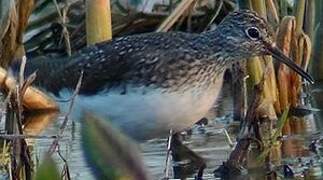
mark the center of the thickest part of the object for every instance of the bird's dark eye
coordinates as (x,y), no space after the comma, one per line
(253,33)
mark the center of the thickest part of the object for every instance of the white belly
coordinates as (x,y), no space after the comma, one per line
(150,114)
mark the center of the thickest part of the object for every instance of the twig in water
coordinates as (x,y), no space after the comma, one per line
(66,117)
(20,152)
(24,136)
(239,154)
(65,172)
(169,143)
(22,70)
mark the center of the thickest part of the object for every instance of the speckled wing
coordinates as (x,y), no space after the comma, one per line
(156,59)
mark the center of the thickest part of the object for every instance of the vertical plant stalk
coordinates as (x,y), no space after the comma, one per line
(258,69)
(259,7)
(256,65)
(5,16)
(284,38)
(302,57)
(238,156)
(317,63)
(317,66)
(300,43)
(267,96)
(98,21)
(271,9)
(175,15)
(19,12)
(318,13)
(239,90)
(299,14)
(296,44)
(309,22)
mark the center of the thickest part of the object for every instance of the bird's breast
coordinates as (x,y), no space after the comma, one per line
(144,112)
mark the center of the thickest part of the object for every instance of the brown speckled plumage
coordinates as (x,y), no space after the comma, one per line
(171,61)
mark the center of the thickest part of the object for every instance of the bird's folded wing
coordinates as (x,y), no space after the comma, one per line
(143,59)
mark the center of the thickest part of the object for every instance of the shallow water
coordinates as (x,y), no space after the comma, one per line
(208,141)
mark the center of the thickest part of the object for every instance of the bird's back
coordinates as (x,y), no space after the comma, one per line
(160,60)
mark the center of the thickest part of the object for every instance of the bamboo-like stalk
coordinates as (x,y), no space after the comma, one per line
(255,70)
(271,7)
(317,66)
(302,58)
(258,73)
(307,52)
(254,65)
(317,63)
(309,23)
(299,14)
(284,40)
(298,49)
(98,21)
(11,40)
(175,15)
(33,98)
(5,16)
(269,92)
(259,7)
(318,13)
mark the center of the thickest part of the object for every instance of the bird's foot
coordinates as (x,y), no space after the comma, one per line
(186,160)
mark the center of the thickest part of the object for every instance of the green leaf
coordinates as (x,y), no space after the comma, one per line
(47,170)
(111,154)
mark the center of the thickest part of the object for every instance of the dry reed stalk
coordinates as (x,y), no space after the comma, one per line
(256,67)
(284,38)
(272,10)
(98,21)
(302,58)
(175,15)
(12,37)
(309,21)
(33,99)
(299,14)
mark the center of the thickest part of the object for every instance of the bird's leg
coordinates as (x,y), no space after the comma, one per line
(181,152)
(226,134)
(169,143)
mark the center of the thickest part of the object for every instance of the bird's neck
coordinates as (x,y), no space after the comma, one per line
(217,41)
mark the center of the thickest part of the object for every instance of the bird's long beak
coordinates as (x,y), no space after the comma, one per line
(279,55)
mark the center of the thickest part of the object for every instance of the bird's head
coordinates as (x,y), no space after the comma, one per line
(245,34)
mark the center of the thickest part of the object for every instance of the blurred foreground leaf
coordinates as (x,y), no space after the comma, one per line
(47,170)
(110,153)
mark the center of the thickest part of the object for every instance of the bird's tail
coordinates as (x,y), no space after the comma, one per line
(44,67)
